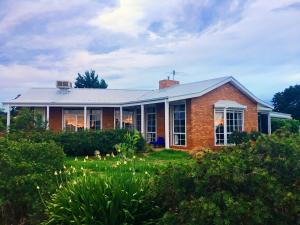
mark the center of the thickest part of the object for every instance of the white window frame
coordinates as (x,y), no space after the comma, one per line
(224,110)
(146,118)
(64,118)
(89,118)
(173,127)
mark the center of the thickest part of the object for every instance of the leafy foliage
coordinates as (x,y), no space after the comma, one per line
(95,199)
(23,166)
(26,120)
(86,142)
(240,185)
(128,147)
(291,125)
(288,101)
(89,80)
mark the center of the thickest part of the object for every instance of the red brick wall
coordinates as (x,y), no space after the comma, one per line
(202,115)
(160,116)
(108,118)
(167,83)
(55,119)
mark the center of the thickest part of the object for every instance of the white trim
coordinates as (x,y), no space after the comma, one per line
(8,118)
(279,115)
(185,128)
(143,120)
(167,124)
(269,124)
(146,118)
(121,117)
(225,123)
(47,116)
(85,117)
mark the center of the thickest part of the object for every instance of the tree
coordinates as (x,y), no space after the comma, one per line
(89,80)
(288,101)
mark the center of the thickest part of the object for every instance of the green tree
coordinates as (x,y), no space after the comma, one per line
(89,80)
(288,101)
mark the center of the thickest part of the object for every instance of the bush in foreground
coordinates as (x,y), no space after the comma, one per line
(102,199)
(23,166)
(253,185)
(85,142)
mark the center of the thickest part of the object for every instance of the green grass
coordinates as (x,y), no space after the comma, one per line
(150,163)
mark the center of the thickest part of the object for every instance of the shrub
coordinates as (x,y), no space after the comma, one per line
(241,185)
(238,137)
(23,166)
(290,125)
(85,142)
(2,127)
(98,199)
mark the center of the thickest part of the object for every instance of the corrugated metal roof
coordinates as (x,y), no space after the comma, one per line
(123,96)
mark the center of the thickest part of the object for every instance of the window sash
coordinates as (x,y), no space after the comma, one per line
(179,124)
(151,124)
(227,121)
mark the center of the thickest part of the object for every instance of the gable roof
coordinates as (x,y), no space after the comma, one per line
(80,96)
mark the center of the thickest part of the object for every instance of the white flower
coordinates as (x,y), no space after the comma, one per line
(133,173)
(60,186)
(84,160)
(107,155)
(74,182)
(125,162)
(81,168)
(76,159)
(70,200)
(87,157)
(134,157)
(38,187)
(60,172)
(55,173)
(146,173)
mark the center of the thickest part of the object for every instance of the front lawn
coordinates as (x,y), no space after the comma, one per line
(143,163)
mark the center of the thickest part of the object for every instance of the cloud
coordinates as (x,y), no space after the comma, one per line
(134,43)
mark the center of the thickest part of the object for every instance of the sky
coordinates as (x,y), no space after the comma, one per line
(135,43)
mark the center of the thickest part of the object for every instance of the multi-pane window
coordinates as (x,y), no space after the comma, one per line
(138,120)
(219,127)
(151,124)
(179,125)
(128,119)
(226,122)
(73,120)
(234,122)
(117,118)
(95,116)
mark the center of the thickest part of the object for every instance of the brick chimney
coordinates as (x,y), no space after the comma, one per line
(167,83)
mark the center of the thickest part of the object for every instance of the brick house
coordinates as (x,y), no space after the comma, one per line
(187,116)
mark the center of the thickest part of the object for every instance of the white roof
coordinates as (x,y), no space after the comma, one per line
(229,104)
(86,96)
(279,115)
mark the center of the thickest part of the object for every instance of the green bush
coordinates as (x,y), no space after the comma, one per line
(2,126)
(98,199)
(238,137)
(85,142)
(240,185)
(290,125)
(23,166)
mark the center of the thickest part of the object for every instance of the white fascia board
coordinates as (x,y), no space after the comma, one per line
(279,115)
(60,105)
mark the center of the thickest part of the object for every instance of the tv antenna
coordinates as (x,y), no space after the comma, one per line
(174,73)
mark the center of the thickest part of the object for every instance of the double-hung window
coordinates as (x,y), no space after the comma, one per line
(95,116)
(151,124)
(73,120)
(227,121)
(179,125)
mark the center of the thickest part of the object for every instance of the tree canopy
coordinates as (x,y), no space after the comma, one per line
(288,101)
(89,80)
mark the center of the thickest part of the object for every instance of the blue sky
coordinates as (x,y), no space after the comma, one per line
(134,43)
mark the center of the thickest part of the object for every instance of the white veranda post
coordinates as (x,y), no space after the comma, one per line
(121,117)
(143,120)
(8,118)
(167,124)
(85,118)
(47,116)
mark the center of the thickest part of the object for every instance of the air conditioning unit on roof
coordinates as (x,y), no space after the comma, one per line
(61,84)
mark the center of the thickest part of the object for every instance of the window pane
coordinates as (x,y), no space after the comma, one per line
(179,137)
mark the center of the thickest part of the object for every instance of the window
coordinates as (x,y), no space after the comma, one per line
(151,124)
(73,120)
(128,119)
(138,120)
(95,116)
(179,125)
(117,118)
(226,122)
